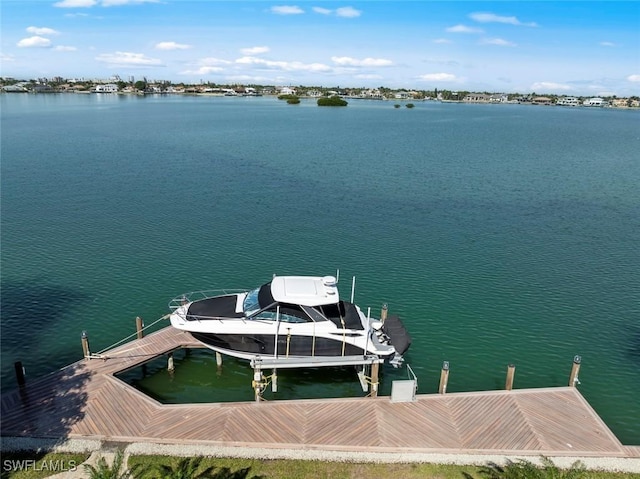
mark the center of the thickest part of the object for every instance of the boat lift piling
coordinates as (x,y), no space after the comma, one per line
(444,378)
(139,327)
(575,368)
(85,345)
(511,371)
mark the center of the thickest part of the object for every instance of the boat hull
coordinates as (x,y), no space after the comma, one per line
(247,346)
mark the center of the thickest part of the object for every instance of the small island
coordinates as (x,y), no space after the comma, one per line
(332,101)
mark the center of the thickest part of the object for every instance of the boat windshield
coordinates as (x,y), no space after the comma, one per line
(251,304)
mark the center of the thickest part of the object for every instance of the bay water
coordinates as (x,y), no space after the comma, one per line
(498,233)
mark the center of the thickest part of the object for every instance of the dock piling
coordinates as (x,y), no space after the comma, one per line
(375,367)
(444,378)
(170,366)
(257,383)
(575,368)
(139,327)
(218,359)
(19,373)
(511,370)
(384,312)
(85,345)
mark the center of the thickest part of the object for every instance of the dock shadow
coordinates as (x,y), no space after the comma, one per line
(41,414)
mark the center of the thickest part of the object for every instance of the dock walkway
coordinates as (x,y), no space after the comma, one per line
(86,400)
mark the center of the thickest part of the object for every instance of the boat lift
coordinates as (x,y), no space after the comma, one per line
(260,381)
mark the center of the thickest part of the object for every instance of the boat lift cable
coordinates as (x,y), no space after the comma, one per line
(166,316)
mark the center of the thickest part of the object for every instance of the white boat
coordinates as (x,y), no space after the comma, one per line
(288,317)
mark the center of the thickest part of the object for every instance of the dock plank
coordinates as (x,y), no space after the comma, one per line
(86,400)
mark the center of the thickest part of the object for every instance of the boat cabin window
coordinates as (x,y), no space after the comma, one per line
(289,313)
(251,304)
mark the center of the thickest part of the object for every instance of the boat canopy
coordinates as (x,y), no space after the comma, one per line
(304,290)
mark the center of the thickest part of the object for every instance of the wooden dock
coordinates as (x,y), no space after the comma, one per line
(86,400)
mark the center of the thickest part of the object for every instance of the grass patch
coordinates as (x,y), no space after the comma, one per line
(35,465)
(39,465)
(233,468)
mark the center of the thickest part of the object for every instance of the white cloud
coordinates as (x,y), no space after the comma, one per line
(128,59)
(444,77)
(441,41)
(550,86)
(482,17)
(464,29)
(254,50)
(204,70)
(6,58)
(34,42)
(63,48)
(104,3)
(365,62)
(209,61)
(287,10)
(248,79)
(42,31)
(607,44)
(282,65)
(497,41)
(117,3)
(171,46)
(364,76)
(345,12)
(75,3)
(348,12)
(633,78)
(207,66)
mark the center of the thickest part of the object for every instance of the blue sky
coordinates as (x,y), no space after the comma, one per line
(563,47)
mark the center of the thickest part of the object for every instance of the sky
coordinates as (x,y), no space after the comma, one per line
(585,48)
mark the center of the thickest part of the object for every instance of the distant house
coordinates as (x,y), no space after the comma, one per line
(620,102)
(568,101)
(285,90)
(371,93)
(541,100)
(476,98)
(499,98)
(43,88)
(106,88)
(314,93)
(595,102)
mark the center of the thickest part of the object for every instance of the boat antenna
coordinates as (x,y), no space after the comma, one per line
(353,287)
(337,275)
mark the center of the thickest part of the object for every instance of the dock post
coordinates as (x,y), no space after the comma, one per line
(444,378)
(375,367)
(19,373)
(85,345)
(139,327)
(257,381)
(573,377)
(384,312)
(170,366)
(511,370)
(218,359)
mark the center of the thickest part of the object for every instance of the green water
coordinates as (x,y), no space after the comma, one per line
(500,234)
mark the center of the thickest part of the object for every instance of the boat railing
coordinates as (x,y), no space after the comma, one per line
(178,301)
